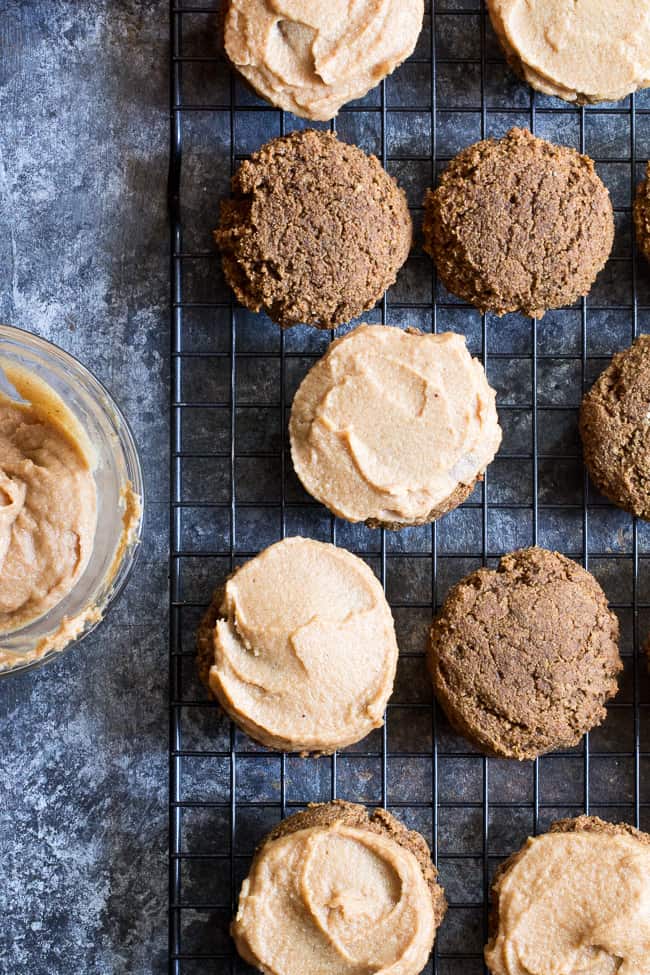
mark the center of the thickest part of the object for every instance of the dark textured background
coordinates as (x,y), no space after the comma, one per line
(83,245)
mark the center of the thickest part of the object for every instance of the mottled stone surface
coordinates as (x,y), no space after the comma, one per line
(83,261)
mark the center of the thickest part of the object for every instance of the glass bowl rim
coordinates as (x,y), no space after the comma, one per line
(132,463)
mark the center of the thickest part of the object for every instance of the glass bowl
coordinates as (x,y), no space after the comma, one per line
(120,508)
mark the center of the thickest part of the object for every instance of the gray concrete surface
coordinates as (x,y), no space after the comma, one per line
(83,261)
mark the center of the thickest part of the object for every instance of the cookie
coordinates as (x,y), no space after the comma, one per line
(615,429)
(334,889)
(642,214)
(524,657)
(581,52)
(573,900)
(315,232)
(519,224)
(393,427)
(312,58)
(299,647)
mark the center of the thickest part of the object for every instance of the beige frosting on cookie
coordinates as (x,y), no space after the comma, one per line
(305,655)
(584,50)
(389,423)
(575,902)
(48,503)
(335,901)
(310,58)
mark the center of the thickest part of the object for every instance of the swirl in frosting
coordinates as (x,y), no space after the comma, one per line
(591,51)
(310,58)
(337,899)
(388,424)
(305,652)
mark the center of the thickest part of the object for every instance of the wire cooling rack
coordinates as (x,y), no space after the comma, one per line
(234,492)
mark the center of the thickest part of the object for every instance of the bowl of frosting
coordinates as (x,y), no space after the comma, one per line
(71,500)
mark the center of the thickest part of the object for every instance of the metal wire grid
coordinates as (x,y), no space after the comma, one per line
(225,792)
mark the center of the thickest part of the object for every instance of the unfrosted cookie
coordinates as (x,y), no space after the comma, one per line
(299,647)
(315,231)
(393,427)
(310,58)
(615,429)
(519,224)
(334,889)
(524,657)
(579,50)
(642,214)
(573,900)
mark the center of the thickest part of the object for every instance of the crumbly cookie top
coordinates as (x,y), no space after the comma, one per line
(524,657)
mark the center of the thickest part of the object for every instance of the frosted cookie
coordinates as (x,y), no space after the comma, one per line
(579,50)
(335,890)
(615,429)
(523,658)
(48,501)
(393,427)
(315,231)
(299,647)
(519,224)
(311,58)
(574,900)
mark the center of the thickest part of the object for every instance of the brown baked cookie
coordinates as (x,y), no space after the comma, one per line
(615,429)
(312,58)
(642,214)
(315,231)
(573,899)
(524,657)
(336,889)
(519,224)
(379,821)
(393,427)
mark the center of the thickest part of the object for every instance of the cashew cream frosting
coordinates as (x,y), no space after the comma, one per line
(388,424)
(305,654)
(48,515)
(48,502)
(338,900)
(310,58)
(578,50)
(575,903)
